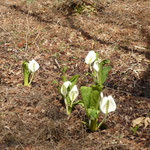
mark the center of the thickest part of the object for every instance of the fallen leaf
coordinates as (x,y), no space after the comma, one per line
(146,122)
(139,121)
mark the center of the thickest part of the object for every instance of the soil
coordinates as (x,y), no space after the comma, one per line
(61,33)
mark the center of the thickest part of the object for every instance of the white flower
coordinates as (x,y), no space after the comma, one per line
(96,65)
(73,94)
(33,65)
(107,101)
(64,88)
(90,58)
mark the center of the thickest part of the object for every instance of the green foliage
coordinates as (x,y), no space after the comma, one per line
(90,97)
(93,113)
(86,96)
(104,71)
(25,67)
(74,80)
(134,129)
(68,102)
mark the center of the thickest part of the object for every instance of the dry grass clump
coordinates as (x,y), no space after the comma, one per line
(70,7)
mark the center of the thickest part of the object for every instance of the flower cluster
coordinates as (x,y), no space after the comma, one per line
(73,93)
(92,97)
(70,92)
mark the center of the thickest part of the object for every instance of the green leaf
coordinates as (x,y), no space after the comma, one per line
(64,78)
(74,80)
(97,87)
(80,102)
(25,67)
(64,69)
(94,102)
(93,113)
(134,129)
(105,72)
(68,100)
(106,61)
(86,96)
(63,72)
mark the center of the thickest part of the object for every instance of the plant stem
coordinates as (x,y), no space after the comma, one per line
(93,125)
(105,115)
(100,75)
(32,77)
(26,78)
(102,121)
(26,73)
(69,110)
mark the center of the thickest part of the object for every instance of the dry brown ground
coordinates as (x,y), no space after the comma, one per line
(55,35)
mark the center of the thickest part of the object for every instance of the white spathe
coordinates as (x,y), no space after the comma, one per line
(64,88)
(90,58)
(96,65)
(107,100)
(33,65)
(73,94)
(102,95)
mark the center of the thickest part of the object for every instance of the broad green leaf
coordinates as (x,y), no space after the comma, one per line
(93,113)
(94,102)
(86,96)
(105,72)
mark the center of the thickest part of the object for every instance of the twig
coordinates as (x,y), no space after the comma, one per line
(57,63)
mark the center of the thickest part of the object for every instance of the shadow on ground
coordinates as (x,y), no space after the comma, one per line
(143,84)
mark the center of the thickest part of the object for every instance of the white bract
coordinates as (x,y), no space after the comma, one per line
(90,58)
(101,94)
(107,103)
(73,93)
(64,88)
(33,65)
(96,65)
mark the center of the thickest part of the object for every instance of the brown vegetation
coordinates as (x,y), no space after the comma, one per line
(59,33)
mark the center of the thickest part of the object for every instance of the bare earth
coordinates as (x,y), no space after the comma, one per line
(60,33)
